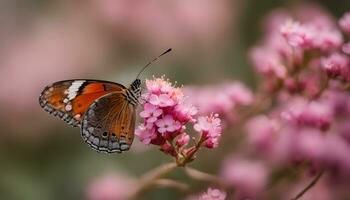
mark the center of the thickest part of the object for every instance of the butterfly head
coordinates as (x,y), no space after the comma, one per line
(136,85)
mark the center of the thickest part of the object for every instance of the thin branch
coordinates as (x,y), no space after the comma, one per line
(151,177)
(202,176)
(171,183)
(309,186)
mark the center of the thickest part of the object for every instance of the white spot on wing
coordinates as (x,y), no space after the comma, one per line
(77,116)
(68,107)
(73,89)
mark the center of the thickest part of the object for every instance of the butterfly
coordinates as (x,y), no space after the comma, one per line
(105,111)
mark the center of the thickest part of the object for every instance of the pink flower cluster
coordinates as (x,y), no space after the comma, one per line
(302,113)
(166,112)
(337,65)
(307,124)
(304,65)
(210,128)
(310,35)
(322,36)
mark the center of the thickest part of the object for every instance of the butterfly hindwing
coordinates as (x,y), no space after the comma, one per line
(108,125)
(70,99)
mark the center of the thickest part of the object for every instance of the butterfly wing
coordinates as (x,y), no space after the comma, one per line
(109,123)
(70,99)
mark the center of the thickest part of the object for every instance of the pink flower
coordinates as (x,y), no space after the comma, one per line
(311,36)
(182,140)
(222,98)
(328,150)
(213,194)
(344,22)
(145,134)
(261,132)
(328,40)
(239,93)
(337,154)
(336,65)
(210,129)
(185,111)
(162,100)
(110,187)
(317,114)
(346,48)
(298,35)
(311,144)
(151,113)
(248,177)
(167,124)
(267,62)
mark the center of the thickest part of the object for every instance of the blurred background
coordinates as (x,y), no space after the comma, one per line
(46,41)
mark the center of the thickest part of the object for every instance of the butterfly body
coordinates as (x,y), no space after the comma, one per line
(104,111)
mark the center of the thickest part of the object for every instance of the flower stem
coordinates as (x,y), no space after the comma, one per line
(202,176)
(309,186)
(151,177)
(171,183)
(189,157)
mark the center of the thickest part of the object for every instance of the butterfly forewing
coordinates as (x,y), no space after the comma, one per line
(70,99)
(108,124)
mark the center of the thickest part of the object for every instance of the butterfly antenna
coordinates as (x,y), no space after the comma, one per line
(152,61)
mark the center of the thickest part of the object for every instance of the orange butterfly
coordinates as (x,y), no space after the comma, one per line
(105,111)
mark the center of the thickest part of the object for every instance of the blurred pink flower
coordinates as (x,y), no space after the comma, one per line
(297,35)
(299,111)
(311,145)
(261,132)
(213,194)
(222,98)
(328,40)
(110,187)
(308,36)
(344,23)
(337,154)
(248,178)
(239,93)
(336,65)
(267,62)
(346,48)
